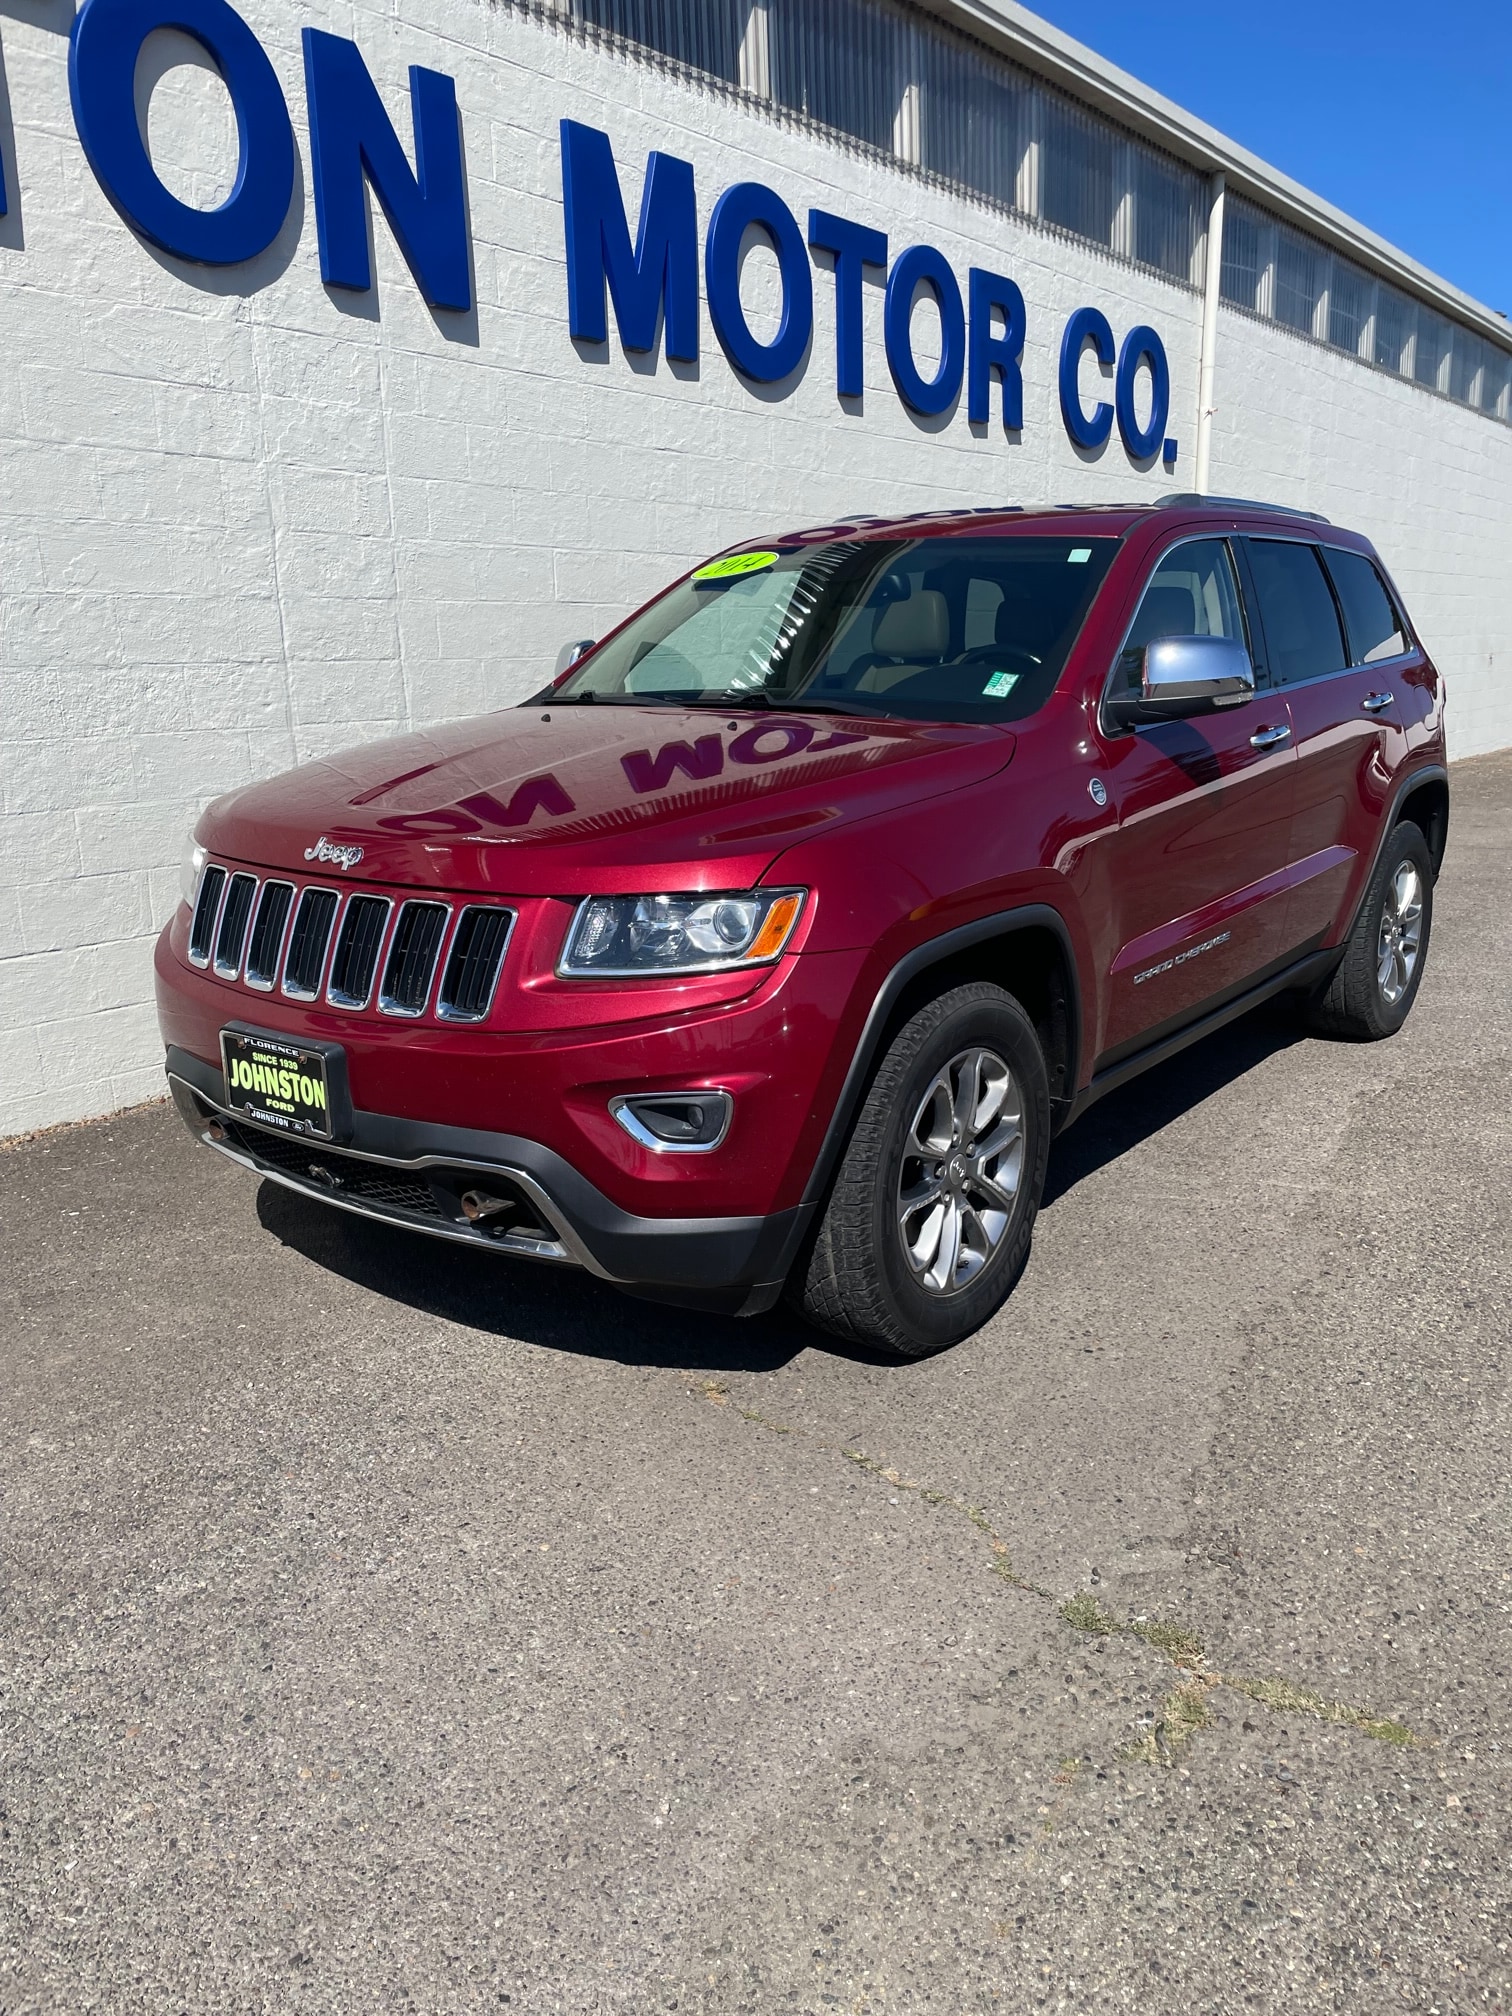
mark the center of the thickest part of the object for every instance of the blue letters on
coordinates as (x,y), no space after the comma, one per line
(990,294)
(1142,345)
(663,267)
(854,247)
(1087,325)
(745,204)
(103,47)
(922,265)
(351,137)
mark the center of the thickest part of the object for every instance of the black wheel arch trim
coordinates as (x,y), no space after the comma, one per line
(936,952)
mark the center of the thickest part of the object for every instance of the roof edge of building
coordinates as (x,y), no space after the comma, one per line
(1061,60)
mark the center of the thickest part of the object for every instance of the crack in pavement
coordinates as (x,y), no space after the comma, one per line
(1184,1710)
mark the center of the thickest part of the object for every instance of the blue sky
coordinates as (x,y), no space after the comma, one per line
(1402,116)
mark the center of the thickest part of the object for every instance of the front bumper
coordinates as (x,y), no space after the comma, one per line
(415,1173)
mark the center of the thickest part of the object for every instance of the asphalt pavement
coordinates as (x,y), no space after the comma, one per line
(388,1627)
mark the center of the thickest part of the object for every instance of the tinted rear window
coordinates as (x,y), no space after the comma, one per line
(1302,636)
(1375,630)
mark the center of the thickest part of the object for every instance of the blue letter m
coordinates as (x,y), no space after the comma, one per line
(351,137)
(664,263)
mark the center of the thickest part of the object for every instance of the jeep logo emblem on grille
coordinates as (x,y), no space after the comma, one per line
(331,850)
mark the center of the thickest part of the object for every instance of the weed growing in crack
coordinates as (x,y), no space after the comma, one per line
(1281,1696)
(1002,1561)
(1083,1612)
(1182,1713)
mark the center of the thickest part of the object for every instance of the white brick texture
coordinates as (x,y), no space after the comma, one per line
(245,519)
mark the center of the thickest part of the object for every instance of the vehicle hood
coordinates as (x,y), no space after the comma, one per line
(566,800)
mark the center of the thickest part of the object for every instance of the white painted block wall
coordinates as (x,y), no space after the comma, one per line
(245,519)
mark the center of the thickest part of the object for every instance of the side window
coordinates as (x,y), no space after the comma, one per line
(1192,593)
(1302,636)
(1370,616)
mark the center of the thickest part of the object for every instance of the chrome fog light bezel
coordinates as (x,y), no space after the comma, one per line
(622,1108)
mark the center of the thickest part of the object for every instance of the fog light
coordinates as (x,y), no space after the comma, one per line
(673,1123)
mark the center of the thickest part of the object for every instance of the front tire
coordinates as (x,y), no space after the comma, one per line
(928,1224)
(1371,992)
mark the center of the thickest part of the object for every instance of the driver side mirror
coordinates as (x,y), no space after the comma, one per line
(1179,677)
(569,654)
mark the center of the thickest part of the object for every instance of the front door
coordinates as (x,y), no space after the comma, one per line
(1347,721)
(1194,871)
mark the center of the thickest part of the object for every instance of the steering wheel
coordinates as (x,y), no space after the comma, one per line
(994,654)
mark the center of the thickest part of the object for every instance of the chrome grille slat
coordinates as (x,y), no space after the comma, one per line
(474,963)
(357,947)
(206,909)
(304,962)
(235,915)
(412,958)
(266,942)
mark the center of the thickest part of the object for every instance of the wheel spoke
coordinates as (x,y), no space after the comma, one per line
(942,1273)
(969,1073)
(931,1130)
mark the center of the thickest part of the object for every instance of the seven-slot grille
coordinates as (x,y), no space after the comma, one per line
(273,933)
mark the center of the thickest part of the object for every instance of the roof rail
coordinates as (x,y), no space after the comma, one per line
(1183,499)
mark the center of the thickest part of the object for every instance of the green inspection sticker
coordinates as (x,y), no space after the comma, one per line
(734,565)
(1000,685)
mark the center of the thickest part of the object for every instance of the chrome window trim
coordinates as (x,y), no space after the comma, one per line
(311,889)
(386,1003)
(225,874)
(445,1014)
(640,1133)
(267,986)
(220,970)
(349,1002)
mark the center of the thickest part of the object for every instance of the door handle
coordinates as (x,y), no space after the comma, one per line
(1374,702)
(1270,738)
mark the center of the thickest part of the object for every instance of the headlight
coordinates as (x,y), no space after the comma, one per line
(189,872)
(627,936)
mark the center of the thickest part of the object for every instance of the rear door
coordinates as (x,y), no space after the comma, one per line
(1334,638)
(1195,868)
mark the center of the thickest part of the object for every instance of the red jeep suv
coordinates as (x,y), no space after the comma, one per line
(767,947)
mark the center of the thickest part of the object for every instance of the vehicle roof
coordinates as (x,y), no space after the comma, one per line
(1108,520)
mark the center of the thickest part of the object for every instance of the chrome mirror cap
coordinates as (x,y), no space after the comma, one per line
(1175,678)
(569,654)
(1214,671)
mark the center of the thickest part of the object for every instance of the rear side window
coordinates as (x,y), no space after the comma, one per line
(1302,635)
(1370,616)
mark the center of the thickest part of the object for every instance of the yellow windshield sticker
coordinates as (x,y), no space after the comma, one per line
(733,565)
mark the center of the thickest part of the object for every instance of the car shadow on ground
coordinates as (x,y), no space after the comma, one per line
(1152,1101)
(563,1309)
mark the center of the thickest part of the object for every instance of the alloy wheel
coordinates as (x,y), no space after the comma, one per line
(963,1160)
(1401,933)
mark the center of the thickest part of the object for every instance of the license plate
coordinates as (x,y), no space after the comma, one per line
(280,1084)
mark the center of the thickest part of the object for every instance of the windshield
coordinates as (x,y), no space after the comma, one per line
(934,629)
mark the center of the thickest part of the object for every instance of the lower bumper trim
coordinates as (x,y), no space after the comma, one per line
(408,1173)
